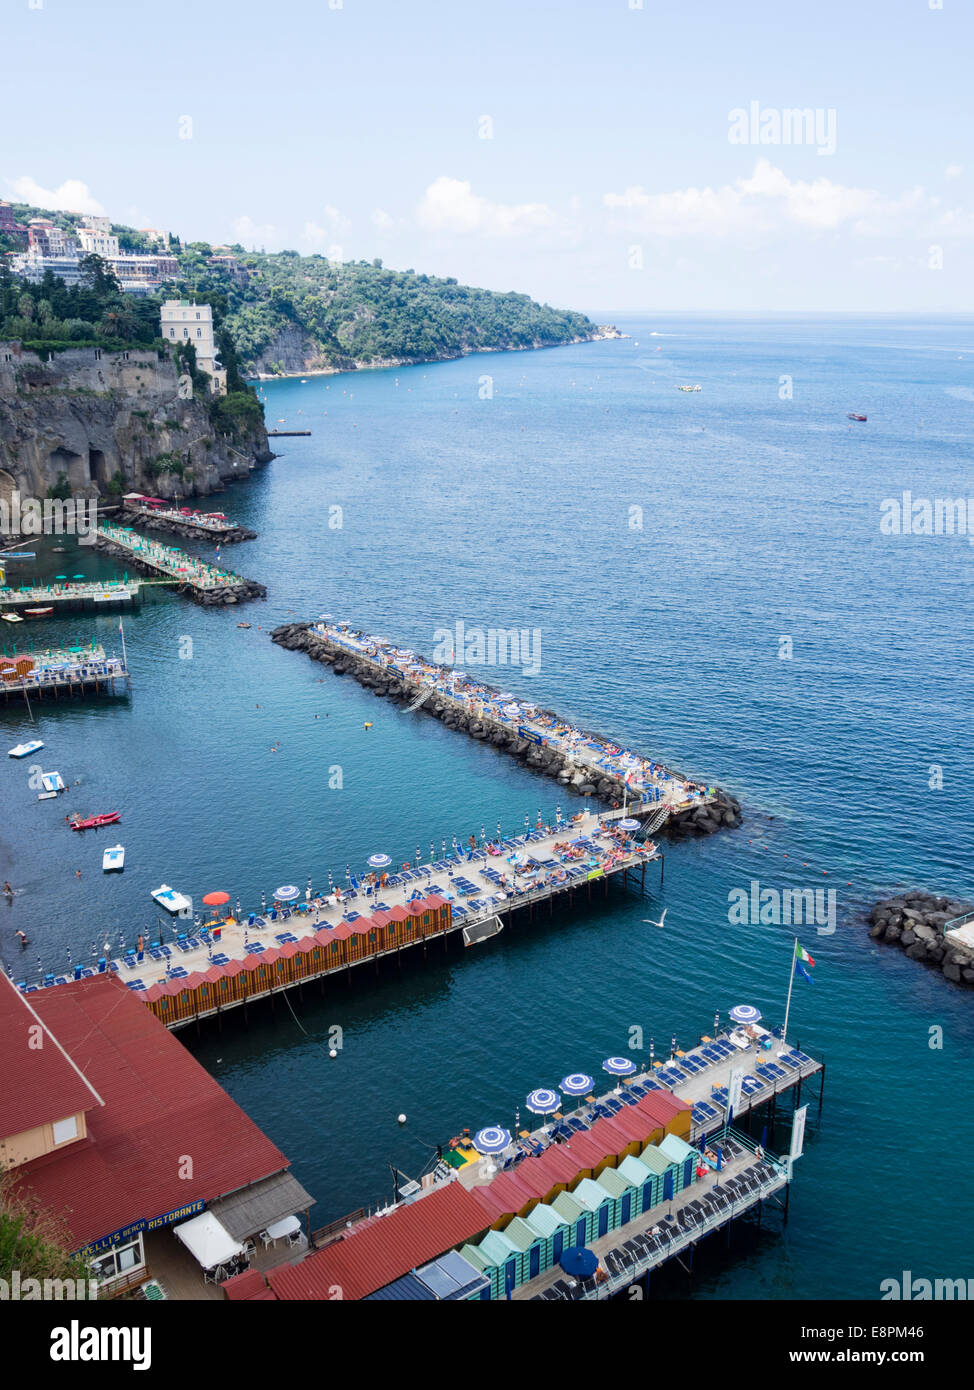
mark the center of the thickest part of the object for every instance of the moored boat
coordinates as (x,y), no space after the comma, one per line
(94,822)
(21,750)
(38,612)
(11,617)
(113,858)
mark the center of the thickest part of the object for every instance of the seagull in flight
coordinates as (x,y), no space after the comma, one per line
(650,923)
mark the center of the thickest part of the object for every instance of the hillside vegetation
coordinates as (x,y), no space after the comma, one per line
(286,311)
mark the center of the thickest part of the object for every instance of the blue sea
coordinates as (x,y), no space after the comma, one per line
(711,586)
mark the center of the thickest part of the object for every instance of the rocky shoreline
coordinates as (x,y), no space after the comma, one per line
(915,922)
(148,522)
(240,592)
(549,762)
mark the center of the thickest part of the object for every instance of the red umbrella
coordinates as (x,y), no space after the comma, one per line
(216,899)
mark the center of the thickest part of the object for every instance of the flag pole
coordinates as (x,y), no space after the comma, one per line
(791,981)
(124,657)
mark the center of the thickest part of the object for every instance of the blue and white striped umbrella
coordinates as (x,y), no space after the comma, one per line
(745,1013)
(543,1102)
(619,1066)
(492,1140)
(288,893)
(578,1084)
(628,824)
(379,861)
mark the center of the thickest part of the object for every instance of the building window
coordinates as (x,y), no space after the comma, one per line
(66,1130)
(110,1264)
(172,332)
(199,332)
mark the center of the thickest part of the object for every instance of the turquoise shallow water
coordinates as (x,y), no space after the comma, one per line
(760,520)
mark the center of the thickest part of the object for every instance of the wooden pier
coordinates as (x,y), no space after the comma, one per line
(207,583)
(71,672)
(197,973)
(88,595)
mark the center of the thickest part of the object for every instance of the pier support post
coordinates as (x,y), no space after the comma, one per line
(662,863)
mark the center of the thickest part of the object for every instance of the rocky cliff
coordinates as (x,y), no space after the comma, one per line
(89,415)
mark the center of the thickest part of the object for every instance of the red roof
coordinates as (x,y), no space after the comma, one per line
(160,1105)
(555,1165)
(508,1193)
(661,1106)
(609,1137)
(249,1285)
(41,1084)
(584,1151)
(385,1249)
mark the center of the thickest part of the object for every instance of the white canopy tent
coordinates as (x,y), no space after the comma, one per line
(208,1242)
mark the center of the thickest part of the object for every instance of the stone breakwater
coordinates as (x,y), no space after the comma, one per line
(238,592)
(915,922)
(724,811)
(146,521)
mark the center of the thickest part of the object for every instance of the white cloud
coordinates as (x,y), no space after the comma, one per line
(70,196)
(250,233)
(765,202)
(450,205)
(953,171)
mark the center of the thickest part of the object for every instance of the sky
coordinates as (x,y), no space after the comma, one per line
(602,155)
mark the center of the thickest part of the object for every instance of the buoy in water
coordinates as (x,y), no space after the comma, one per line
(402,1119)
(366,725)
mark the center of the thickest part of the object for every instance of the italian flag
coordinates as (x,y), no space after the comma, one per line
(802,955)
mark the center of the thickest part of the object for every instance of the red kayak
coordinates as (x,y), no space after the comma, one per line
(93,822)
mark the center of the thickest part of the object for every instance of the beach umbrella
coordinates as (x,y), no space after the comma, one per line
(492,1140)
(576,1084)
(745,1013)
(543,1101)
(579,1261)
(216,899)
(628,824)
(379,861)
(288,893)
(619,1066)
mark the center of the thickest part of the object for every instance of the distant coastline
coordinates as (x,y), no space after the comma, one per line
(603,334)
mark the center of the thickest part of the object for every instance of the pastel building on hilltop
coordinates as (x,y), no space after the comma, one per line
(184,321)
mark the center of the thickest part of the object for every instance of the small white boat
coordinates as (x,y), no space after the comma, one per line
(53,782)
(23,749)
(113,858)
(11,617)
(47,796)
(176,904)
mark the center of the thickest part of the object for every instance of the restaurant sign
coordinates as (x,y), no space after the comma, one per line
(180,1214)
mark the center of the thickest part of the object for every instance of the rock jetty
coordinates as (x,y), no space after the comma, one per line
(915,922)
(723,812)
(148,521)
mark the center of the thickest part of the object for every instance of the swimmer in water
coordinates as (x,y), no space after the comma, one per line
(7,889)
(23,939)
